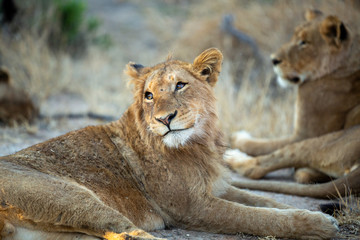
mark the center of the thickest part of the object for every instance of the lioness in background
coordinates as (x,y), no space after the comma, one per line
(159,166)
(15,105)
(323,60)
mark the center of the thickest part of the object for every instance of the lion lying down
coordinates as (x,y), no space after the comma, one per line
(322,59)
(160,165)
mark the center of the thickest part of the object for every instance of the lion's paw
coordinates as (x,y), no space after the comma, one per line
(240,139)
(133,235)
(321,226)
(235,155)
(333,221)
(244,164)
(241,135)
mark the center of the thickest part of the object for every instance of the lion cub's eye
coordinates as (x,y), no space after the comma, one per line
(180,85)
(302,43)
(148,95)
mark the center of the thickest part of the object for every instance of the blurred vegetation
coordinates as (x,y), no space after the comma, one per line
(62,23)
(146,32)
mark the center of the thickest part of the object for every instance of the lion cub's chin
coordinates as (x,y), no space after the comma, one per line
(175,139)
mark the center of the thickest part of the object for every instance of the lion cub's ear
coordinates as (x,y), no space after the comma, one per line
(134,70)
(333,31)
(208,65)
(311,14)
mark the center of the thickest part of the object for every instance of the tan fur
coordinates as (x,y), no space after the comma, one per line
(323,60)
(112,180)
(15,104)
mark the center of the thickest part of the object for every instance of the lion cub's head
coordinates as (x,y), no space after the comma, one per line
(318,47)
(176,99)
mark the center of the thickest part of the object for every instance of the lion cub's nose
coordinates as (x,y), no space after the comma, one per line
(167,120)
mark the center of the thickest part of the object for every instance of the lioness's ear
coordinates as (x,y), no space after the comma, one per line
(208,65)
(333,31)
(4,76)
(311,14)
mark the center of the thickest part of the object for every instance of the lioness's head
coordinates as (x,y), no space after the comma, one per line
(176,98)
(318,47)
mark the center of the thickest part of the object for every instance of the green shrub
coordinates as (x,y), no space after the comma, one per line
(62,23)
(71,13)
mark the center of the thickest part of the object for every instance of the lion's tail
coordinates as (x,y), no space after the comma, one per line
(349,184)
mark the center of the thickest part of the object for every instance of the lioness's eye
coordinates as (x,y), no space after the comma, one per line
(148,95)
(180,85)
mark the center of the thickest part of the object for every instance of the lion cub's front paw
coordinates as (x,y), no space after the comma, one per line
(133,235)
(320,226)
(244,164)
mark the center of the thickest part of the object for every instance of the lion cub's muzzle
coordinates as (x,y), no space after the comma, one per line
(167,120)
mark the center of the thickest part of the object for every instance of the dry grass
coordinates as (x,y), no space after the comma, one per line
(32,66)
(349,217)
(36,69)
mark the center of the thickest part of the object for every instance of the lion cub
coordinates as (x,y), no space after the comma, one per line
(160,165)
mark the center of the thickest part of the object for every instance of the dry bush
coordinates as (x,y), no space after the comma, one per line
(62,25)
(32,66)
(41,73)
(100,79)
(349,216)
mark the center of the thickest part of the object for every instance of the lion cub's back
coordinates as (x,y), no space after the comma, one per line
(89,158)
(74,153)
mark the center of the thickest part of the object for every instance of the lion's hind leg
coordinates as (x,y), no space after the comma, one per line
(38,201)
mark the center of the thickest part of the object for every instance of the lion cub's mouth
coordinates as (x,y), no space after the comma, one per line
(176,130)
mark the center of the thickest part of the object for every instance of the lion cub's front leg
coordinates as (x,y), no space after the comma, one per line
(232,218)
(249,199)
